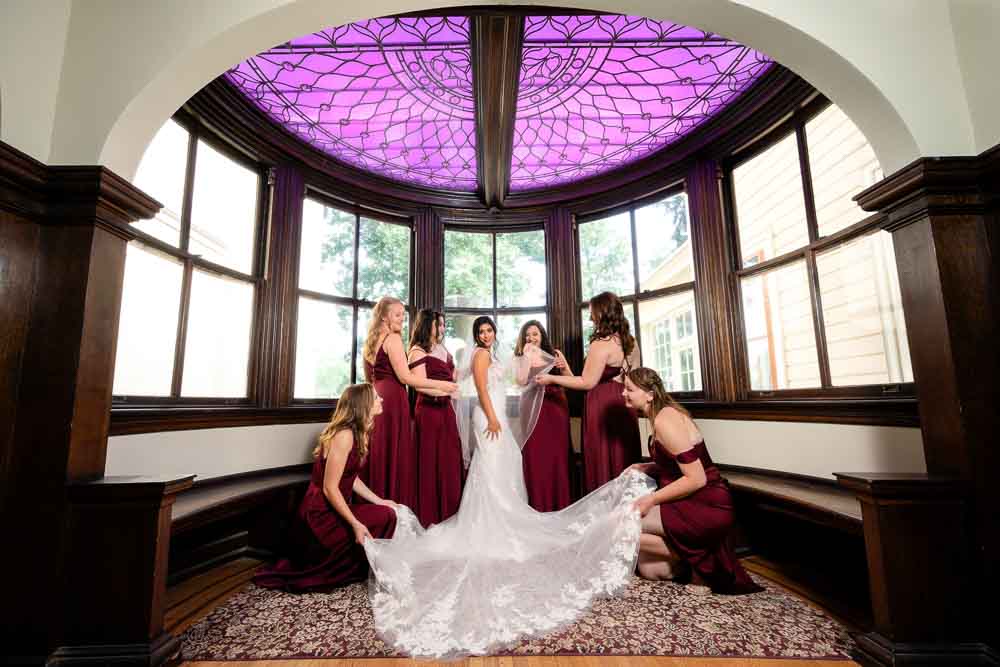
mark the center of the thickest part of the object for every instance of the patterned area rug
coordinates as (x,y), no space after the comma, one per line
(649,619)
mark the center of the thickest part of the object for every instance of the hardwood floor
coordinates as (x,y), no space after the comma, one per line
(193,599)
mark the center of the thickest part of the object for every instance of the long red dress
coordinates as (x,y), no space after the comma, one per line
(610,432)
(697,526)
(546,453)
(391,470)
(323,551)
(441,473)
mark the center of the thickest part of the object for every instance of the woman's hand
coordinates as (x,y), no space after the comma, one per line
(447,387)
(561,363)
(492,431)
(644,504)
(641,467)
(385,502)
(361,532)
(544,379)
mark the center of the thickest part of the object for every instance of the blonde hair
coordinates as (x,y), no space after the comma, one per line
(353,413)
(649,380)
(379,313)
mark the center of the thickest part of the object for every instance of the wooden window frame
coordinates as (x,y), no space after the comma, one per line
(190,262)
(796,125)
(353,301)
(638,296)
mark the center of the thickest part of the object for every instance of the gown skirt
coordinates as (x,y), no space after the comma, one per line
(322,551)
(440,472)
(546,454)
(391,468)
(610,432)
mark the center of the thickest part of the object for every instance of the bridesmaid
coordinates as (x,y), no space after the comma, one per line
(546,452)
(610,430)
(435,429)
(392,464)
(686,521)
(330,528)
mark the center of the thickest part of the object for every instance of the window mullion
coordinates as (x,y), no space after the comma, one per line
(823,356)
(181,338)
(192,157)
(807,185)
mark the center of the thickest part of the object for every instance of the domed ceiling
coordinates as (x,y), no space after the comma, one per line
(546,100)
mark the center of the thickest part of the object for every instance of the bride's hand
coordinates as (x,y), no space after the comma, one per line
(492,431)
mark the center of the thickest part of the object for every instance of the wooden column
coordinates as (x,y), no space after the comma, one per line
(428,264)
(118,538)
(942,215)
(715,287)
(277,306)
(64,379)
(565,329)
(914,527)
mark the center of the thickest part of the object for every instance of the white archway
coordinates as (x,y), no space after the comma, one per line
(163,55)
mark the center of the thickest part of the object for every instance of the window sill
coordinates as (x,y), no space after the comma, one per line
(148,419)
(896,411)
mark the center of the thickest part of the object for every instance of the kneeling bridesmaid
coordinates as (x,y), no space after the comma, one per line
(326,537)
(687,520)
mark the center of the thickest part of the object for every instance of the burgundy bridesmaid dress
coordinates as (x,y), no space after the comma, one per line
(546,453)
(697,526)
(391,470)
(610,432)
(439,448)
(324,552)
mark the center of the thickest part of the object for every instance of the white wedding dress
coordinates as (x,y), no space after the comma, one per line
(498,571)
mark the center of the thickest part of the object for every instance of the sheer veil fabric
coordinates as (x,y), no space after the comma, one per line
(498,571)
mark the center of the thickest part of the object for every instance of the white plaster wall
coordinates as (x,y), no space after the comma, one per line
(32,41)
(211,452)
(977,27)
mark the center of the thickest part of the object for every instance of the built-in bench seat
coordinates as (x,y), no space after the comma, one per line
(219,520)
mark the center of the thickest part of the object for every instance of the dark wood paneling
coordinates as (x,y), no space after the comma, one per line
(715,288)
(565,329)
(876,412)
(126,421)
(428,263)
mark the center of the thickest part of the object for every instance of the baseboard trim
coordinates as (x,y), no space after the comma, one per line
(874,650)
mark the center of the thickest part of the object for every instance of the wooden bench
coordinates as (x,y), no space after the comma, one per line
(222,519)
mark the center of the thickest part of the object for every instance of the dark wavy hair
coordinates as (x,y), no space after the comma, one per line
(423,330)
(610,320)
(546,345)
(480,321)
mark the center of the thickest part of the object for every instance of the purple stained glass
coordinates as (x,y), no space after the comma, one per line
(391,96)
(598,92)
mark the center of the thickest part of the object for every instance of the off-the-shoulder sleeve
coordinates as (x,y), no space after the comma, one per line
(688,456)
(421,360)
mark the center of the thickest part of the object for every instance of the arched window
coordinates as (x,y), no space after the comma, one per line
(820,293)
(500,274)
(191,277)
(348,260)
(643,254)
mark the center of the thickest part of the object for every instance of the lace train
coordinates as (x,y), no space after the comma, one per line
(498,571)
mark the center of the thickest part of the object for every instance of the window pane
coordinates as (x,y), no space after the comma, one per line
(147,329)
(588,326)
(521,279)
(218,337)
(457,334)
(842,164)
(161,175)
(770,206)
(670,340)
(862,312)
(777,316)
(322,349)
(510,327)
(663,239)
(224,210)
(383,261)
(606,256)
(468,270)
(326,253)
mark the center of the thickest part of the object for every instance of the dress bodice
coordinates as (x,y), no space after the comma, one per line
(609,374)
(437,369)
(667,462)
(381,369)
(351,468)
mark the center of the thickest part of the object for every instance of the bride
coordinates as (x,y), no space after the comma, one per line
(498,571)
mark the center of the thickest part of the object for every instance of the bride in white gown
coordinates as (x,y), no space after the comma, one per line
(498,571)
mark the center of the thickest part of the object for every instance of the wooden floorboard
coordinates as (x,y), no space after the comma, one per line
(192,600)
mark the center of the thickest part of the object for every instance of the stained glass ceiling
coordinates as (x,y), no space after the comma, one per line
(397,96)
